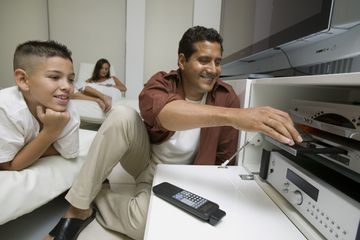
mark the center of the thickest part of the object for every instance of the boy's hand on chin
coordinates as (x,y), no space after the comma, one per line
(52,121)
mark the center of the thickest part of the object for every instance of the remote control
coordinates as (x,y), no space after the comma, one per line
(189,202)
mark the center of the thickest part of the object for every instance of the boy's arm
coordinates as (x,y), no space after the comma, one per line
(31,152)
(51,151)
(53,123)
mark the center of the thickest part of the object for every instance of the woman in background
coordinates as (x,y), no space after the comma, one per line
(101,87)
(101,76)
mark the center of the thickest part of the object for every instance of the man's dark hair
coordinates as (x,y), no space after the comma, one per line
(45,49)
(197,34)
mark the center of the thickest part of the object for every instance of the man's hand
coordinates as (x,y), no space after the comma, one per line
(270,121)
(53,122)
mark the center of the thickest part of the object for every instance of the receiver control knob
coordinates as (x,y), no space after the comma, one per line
(296,197)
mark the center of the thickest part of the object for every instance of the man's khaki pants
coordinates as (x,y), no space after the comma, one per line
(121,138)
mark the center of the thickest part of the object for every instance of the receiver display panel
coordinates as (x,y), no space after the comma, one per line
(309,189)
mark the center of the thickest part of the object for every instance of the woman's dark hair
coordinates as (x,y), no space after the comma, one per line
(197,34)
(96,73)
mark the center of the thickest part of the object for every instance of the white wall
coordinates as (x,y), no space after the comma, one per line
(207,13)
(166,21)
(152,39)
(135,35)
(92,29)
(20,21)
(147,32)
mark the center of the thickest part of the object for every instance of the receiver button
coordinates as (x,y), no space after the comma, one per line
(296,197)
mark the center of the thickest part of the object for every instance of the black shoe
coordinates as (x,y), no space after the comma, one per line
(70,228)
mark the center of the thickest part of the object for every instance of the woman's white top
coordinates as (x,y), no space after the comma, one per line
(106,87)
(18,127)
(181,147)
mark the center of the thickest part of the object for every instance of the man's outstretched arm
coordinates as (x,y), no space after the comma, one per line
(181,115)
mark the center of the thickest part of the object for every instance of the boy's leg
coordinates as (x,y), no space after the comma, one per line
(121,138)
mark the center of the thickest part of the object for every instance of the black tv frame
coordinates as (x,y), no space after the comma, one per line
(317,23)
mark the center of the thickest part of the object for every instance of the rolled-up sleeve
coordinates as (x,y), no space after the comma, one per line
(156,93)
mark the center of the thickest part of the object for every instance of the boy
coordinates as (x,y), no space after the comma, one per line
(36,119)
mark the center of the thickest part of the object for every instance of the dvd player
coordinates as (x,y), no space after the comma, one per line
(336,153)
(340,119)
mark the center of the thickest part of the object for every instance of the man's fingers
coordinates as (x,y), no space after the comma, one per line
(291,131)
(280,126)
(277,136)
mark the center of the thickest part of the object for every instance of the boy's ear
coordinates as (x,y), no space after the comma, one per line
(181,61)
(21,79)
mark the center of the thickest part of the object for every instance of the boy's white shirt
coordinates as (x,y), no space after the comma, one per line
(181,147)
(18,127)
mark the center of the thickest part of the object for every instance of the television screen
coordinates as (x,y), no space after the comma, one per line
(250,27)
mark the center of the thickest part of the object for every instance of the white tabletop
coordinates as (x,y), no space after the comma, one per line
(250,213)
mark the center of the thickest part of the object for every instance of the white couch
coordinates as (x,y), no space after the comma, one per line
(32,194)
(23,191)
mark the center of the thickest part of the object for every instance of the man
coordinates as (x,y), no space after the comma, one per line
(190,116)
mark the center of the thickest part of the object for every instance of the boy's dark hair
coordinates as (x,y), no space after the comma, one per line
(40,49)
(197,34)
(96,73)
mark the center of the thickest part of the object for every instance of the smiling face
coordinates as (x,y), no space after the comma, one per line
(49,84)
(201,70)
(104,70)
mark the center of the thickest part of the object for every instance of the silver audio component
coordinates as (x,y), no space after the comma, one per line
(340,119)
(336,152)
(333,213)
